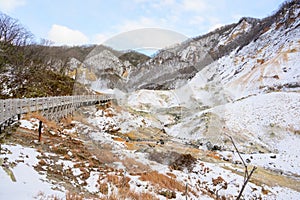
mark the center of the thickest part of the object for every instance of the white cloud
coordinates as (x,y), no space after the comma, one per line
(101,38)
(167,2)
(164,3)
(62,35)
(177,15)
(143,32)
(215,26)
(143,22)
(133,25)
(197,20)
(141,1)
(10,5)
(168,22)
(145,38)
(214,23)
(194,5)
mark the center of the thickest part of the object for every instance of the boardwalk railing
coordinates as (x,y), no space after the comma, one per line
(51,107)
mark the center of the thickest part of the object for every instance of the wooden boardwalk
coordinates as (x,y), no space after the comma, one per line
(52,107)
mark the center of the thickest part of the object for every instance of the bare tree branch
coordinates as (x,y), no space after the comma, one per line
(13,39)
(247,176)
(245,182)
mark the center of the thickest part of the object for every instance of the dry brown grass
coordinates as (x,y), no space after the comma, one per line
(73,196)
(103,188)
(118,139)
(171,175)
(143,196)
(123,192)
(118,181)
(104,153)
(111,197)
(67,121)
(132,135)
(266,29)
(24,136)
(107,157)
(103,106)
(109,112)
(133,166)
(183,161)
(36,115)
(162,181)
(43,196)
(292,50)
(131,145)
(260,61)
(219,180)
(278,25)
(129,194)
(135,145)
(117,108)
(80,118)
(214,155)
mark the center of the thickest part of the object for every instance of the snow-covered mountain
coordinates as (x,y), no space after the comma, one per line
(240,82)
(262,75)
(230,52)
(238,47)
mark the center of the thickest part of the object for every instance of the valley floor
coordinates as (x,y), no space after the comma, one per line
(112,152)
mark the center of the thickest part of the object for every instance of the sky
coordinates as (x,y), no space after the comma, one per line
(79,22)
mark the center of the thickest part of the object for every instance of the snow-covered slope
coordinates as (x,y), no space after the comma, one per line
(252,95)
(270,63)
(110,149)
(23,181)
(233,50)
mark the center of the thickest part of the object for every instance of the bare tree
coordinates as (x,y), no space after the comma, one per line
(12,32)
(13,39)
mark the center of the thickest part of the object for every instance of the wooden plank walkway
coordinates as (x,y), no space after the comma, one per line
(52,107)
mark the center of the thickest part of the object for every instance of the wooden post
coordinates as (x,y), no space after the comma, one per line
(186,191)
(40,130)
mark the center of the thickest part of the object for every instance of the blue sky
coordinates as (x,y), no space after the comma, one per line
(76,22)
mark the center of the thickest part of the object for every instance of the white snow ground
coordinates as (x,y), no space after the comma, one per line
(28,183)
